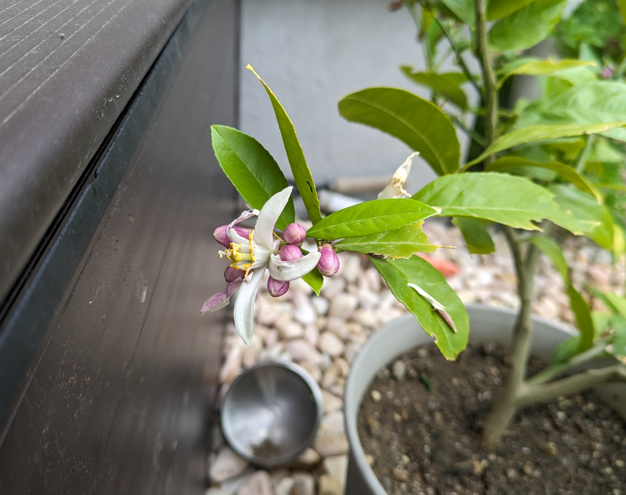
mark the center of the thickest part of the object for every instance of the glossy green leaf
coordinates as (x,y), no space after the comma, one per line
(585,207)
(399,243)
(295,155)
(568,173)
(251,169)
(399,273)
(497,9)
(552,250)
(476,235)
(463,9)
(619,242)
(315,280)
(582,315)
(590,103)
(618,303)
(370,217)
(542,67)
(439,84)
(502,198)
(423,126)
(527,26)
(542,132)
(618,343)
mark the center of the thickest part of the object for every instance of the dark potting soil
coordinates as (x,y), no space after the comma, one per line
(422,418)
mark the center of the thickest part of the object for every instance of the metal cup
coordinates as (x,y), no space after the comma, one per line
(271,413)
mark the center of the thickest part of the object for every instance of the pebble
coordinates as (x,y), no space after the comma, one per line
(399,370)
(333,421)
(307,460)
(330,443)
(376,396)
(291,330)
(303,350)
(331,402)
(331,344)
(343,305)
(336,466)
(284,486)
(259,483)
(303,484)
(329,485)
(226,465)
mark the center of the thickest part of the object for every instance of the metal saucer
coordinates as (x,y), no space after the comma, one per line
(271,413)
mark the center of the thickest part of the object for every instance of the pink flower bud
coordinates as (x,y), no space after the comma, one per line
(328,265)
(295,234)
(232,274)
(277,288)
(221,237)
(290,253)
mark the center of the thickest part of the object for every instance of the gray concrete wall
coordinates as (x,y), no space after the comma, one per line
(313,52)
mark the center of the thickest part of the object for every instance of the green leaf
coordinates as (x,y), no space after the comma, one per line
(370,217)
(439,84)
(475,234)
(542,132)
(618,303)
(502,198)
(399,243)
(585,207)
(527,26)
(463,9)
(399,273)
(583,104)
(552,250)
(582,314)
(315,280)
(618,347)
(568,173)
(497,9)
(251,169)
(423,126)
(622,9)
(565,351)
(542,67)
(301,173)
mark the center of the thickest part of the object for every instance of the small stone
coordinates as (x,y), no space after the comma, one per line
(478,467)
(549,448)
(561,416)
(512,473)
(302,350)
(333,421)
(321,305)
(329,485)
(304,484)
(400,474)
(399,370)
(291,330)
(304,312)
(214,491)
(259,483)
(336,466)
(330,376)
(397,418)
(312,334)
(369,459)
(271,337)
(331,402)
(352,349)
(343,365)
(227,465)
(376,396)
(373,425)
(528,470)
(308,459)
(331,344)
(284,486)
(329,443)
(313,370)
(343,305)
(338,326)
(366,318)
(619,463)
(351,267)
(232,367)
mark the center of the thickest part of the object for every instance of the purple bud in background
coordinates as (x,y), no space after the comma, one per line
(295,234)
(607,72)
(277,288)
(328,265)
(232,274)
(290,253)
(221,237)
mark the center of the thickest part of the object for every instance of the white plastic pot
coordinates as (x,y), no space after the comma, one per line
(397,337)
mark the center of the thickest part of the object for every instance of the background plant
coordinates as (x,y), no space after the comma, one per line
(536,168)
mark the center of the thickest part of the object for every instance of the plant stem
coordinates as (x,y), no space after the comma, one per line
(506,405)
(490,96)
(470,132)
(553,371)
(581,161)
(458,56)
(542,393)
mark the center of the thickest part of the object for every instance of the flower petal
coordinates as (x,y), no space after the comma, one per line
(232,233)
(221,299)
(291,270)
(395,188)
(244,306)
(273,207)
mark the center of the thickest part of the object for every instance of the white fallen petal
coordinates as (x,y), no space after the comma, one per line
(291,270)
(244,306)
(435,304)
(273,207)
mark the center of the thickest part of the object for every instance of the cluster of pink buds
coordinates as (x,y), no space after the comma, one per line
(294,236)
